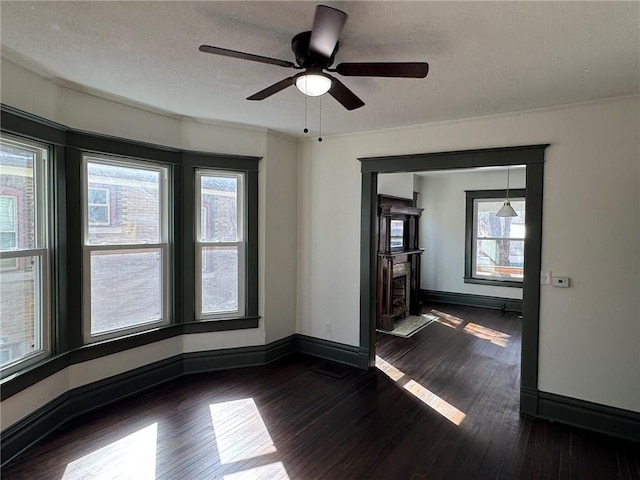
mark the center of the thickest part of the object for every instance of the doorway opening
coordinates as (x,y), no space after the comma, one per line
(532,157)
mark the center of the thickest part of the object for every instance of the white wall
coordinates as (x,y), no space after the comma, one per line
(277,217)
(397,185)
(442,228)
(589,333)
(278,274)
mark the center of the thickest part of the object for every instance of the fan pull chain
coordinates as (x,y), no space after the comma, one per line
(320,126)
(306,101)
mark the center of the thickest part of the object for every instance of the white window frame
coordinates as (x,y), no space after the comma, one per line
(40,250)
(475,238)
(106,205)
(88,249)
(240,244)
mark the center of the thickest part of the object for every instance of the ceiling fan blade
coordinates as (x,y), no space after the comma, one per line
(384,69)
(327,26)
(275,88)
(245,56)
(342,94)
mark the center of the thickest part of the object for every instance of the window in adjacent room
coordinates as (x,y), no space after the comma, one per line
(126,252)
(220,245)
(24,254)
(495,245)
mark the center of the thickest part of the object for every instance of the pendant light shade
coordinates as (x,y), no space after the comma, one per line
(507,210)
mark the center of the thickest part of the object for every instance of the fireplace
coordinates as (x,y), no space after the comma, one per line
(398,284)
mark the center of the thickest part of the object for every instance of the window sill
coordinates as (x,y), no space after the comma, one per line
(220,324)
(495,283)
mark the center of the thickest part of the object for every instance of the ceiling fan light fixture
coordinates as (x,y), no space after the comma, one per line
(313,84)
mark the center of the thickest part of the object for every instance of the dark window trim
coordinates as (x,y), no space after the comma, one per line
(67,147)
(468,235)
(192,162)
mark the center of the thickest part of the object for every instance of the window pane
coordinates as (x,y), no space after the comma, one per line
(17,205)
(126,289)
(488,225)
(502,259)
(219,205)
(134,194)
(19,335)
(219,279)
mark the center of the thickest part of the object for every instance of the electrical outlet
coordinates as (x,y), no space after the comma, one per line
(560,282)
(545,278)
(327,327)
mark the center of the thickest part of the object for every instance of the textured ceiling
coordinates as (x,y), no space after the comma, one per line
(485,57)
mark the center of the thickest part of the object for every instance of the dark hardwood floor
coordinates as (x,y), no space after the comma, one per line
(446,407)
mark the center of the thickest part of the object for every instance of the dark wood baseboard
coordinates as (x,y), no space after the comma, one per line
(591,416)
(337,352)
(580,413)
(528,401)
(470,300)
(209,361)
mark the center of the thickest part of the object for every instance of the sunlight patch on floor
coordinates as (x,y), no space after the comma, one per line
(447,320)
(494,336)
(240,432)
(389,370)
(423,394)
(272,471)
(479,331)
(132,457)
(429,398)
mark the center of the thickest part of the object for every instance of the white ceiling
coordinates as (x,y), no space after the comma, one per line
(485,57)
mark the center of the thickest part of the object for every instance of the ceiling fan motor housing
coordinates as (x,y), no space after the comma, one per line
(306,58)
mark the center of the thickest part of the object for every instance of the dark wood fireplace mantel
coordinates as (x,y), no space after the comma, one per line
(398,228)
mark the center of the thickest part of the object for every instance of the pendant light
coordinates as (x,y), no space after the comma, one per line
(507,210)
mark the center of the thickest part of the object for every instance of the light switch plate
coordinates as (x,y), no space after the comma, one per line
(545,278)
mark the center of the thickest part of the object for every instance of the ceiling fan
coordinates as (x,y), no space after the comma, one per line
(314,54)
